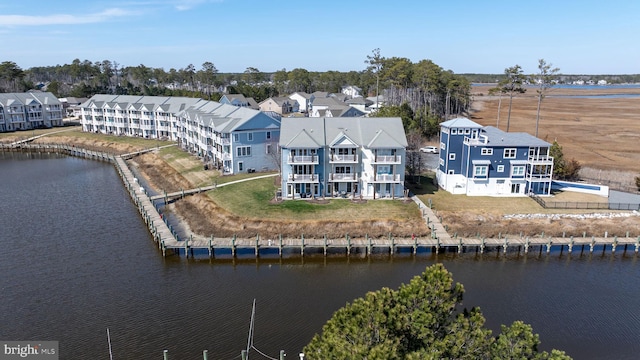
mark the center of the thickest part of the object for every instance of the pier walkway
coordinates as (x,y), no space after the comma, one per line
(152,217)
(183,193)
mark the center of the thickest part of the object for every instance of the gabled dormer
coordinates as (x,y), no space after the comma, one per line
(343,149)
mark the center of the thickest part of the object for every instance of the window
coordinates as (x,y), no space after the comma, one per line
(452,156)
(454,131)
(467,131)
(443,146)
(243,151)
(500,168)
(510,153)
(517,171)
(268,135)
(240,166)
(451,172)
(268,149)
(487,151)
(250,136)
(236,137)
(480,171)
(441,162)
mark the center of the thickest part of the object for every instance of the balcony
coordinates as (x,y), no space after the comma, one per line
(342,177)
(303,178)
(540,160)
(336,158)
(387,159)
(303,160)
(386,178)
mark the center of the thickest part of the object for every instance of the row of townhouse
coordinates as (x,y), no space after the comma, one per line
(342,157)
(30,110)
(484,160)
(231,138)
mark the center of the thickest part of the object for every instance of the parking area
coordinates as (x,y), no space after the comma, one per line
(430,161)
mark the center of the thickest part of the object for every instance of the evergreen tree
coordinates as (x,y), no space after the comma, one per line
(420,320)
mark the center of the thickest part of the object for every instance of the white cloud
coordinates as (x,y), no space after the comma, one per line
(182,5)
(62,19)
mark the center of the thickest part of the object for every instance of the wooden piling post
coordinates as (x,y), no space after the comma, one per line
(638,244)
(368,246)
(280,247)
(571,244)
(615,243)
(391,249)
(593,243)
(549,245)
(211,253)
(233,246)
(257,244)
(481,246)
(504,246)
(325,244)
(348,245)
(302,246)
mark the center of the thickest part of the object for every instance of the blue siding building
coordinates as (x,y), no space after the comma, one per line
(343,157)
(486,161)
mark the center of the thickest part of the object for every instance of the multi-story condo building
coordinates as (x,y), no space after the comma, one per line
(233,139)
(484,160)
(342,157)
(30,110)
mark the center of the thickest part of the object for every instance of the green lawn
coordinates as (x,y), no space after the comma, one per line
(253,199)
(445,201)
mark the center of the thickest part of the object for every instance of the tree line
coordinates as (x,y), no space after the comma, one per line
(431,92)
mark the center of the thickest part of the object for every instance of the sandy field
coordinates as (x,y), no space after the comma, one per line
(603,133)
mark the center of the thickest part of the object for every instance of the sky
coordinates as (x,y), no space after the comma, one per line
(474,36)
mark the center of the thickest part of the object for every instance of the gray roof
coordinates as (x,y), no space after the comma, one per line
(28,98)
(460,123)
(221,117)
(330,101)
(497,137)
(318,132)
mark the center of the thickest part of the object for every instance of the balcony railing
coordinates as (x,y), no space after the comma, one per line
(313,178)
(386,159)
(343,177)
(339,158)
(385,178)
(303,159)
(540,160)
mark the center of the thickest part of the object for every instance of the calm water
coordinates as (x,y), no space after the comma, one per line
(78,259)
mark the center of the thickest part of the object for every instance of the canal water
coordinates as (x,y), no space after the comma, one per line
(77,259)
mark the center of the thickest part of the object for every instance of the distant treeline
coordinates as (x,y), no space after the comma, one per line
(563,79)
(430,92)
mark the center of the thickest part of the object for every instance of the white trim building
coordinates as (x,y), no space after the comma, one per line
(486,161)
(343,157)
(231,138)
(30,110)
